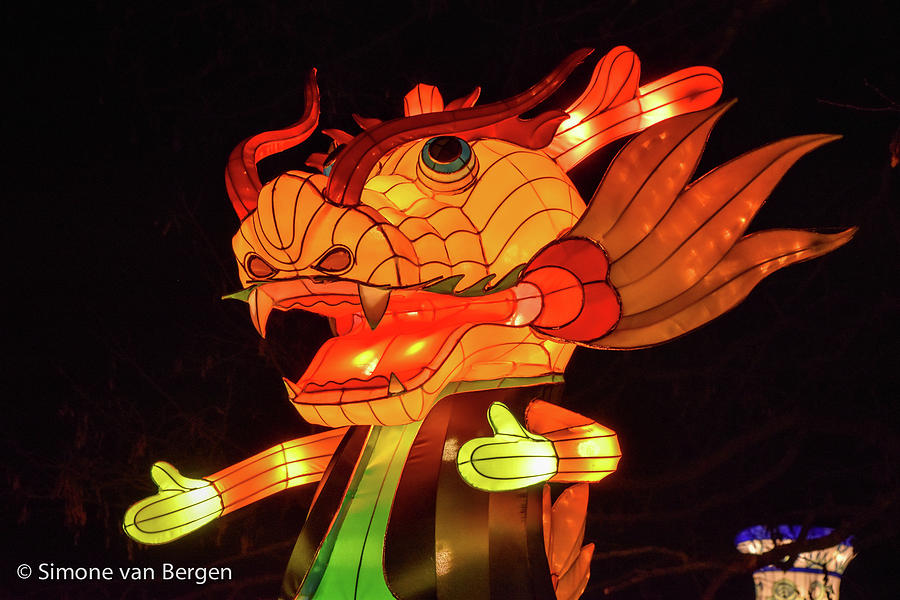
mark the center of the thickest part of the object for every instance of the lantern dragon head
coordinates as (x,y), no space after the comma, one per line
(449,246)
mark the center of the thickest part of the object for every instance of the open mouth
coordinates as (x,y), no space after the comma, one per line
(387,341)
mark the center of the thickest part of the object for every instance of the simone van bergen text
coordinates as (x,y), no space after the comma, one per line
(167,572)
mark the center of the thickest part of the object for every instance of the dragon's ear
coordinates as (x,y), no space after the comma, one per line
(678,257)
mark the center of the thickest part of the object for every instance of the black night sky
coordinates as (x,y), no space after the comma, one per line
(119,119)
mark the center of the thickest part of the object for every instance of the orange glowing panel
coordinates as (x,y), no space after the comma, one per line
(587,451)
(184,504)
(613,106)
(286,465)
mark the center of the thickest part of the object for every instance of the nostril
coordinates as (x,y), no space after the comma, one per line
(335,260)
(259,268)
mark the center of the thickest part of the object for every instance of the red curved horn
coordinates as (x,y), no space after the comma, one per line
(241,178)
(497,120)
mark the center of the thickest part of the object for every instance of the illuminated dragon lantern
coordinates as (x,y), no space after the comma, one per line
(459,268)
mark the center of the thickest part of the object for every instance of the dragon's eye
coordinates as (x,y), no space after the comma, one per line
(447,163)
(258,267)
(446,154)
(335,260)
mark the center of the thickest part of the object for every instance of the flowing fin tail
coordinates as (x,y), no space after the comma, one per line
(570,563)
(677,253)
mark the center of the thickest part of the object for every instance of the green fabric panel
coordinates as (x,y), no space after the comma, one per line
(455,387)
(242,295)
(479,288)
(352,566)
(335,485)
(323,556)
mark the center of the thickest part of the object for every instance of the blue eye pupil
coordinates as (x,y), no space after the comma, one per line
(446,154)
(444,149)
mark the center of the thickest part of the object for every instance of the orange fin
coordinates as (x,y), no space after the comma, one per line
(422,99)
(564,522)
(677,258)
(569,514)
(466,101)
(572,584)
(730,281)
(365,122)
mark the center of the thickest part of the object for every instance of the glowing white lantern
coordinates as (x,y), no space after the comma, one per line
(813,575)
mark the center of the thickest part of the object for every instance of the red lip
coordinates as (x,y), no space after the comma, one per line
(413,338)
